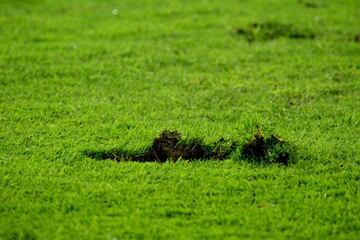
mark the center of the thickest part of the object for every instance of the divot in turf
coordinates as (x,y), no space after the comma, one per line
(270,149)
(170,145)
(271,30)
(357,38)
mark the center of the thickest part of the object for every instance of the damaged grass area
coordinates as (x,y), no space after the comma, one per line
(311,3)
(357,38)
(272,30)
(271,149)
(170,145)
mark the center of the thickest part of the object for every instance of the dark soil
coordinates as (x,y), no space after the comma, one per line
(310,3)
(270,149)
(357,38)
(272,30)
(169,145)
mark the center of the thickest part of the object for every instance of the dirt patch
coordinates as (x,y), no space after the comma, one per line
(272,30)
(310,3)
(270,149)
(170,145)
(357,38)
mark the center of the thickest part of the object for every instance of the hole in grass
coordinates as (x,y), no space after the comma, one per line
(272,30)
(169,145)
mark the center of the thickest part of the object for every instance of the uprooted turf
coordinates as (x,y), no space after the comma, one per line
(169,145)
(272,30)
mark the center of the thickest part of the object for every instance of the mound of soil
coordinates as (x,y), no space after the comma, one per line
(270,149)
(310,3)
(272,30)
(357,38)
(169,145)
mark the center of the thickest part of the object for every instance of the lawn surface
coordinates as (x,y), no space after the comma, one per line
(97,75)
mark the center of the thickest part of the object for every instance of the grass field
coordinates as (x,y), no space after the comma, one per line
(99,75)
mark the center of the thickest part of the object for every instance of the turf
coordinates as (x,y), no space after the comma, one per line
(97,75)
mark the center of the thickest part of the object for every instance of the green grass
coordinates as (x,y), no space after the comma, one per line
(75,77)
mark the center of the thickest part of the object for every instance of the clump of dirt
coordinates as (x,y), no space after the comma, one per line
(272,30)
(310,3)
(270,149)
(357,38)
(169,145)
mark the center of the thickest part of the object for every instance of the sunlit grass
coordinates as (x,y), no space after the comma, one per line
(100,75)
